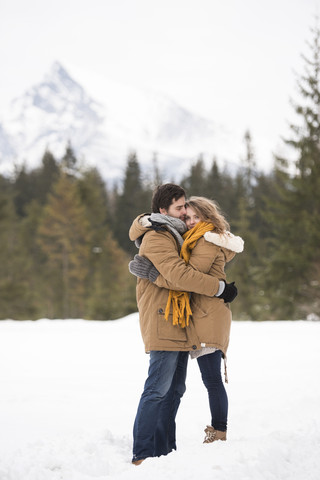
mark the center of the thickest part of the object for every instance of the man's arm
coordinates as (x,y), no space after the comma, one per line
(160,248)
(201,262)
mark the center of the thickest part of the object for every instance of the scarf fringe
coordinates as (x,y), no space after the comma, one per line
(181,310)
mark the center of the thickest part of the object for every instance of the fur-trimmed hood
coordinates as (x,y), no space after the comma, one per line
(225,240)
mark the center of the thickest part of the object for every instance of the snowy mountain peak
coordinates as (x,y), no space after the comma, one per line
(58,82)
(56,93)
(58,110)
(58,73)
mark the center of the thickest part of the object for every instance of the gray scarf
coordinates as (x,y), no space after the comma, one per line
(176,226)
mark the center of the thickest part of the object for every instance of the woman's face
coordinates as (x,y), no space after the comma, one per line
(191,218)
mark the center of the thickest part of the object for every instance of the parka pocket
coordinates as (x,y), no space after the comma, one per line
(168,331)
(197,310)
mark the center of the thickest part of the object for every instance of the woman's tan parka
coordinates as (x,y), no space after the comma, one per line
(162,250)
(211,316)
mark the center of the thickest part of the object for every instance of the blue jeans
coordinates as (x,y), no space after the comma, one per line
(210,367)
(154,431)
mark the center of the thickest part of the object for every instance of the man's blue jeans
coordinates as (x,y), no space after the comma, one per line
(154,431)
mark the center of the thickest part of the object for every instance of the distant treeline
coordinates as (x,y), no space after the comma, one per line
(64,246)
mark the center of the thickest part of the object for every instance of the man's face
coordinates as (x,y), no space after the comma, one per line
(177,209)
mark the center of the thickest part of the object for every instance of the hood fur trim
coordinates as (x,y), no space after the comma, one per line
(226,240)
(144,221)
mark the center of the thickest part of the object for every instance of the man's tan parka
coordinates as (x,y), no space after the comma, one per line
(161,248)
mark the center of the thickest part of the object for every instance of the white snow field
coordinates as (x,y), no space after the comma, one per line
(70,389)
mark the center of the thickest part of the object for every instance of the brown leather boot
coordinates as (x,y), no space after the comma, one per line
(138,462)
(212,435)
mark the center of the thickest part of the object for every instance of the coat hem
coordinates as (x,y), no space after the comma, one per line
(172,349)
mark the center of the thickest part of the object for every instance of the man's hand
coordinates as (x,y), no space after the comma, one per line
(229,293)
(142,267)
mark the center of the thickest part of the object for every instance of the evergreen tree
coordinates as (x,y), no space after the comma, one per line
(135,198)
(69,161)
(263,190)
(46,176)
(157,177)
(245,267)
(16,300)
(110,291)
(213,184)
(38,279)
(249,163)
(219,186)
(295,259)
(23,190)
(36,184)
(237,194)
(194,183)
(64,237)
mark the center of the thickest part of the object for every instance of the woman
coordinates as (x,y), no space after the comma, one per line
(207,246)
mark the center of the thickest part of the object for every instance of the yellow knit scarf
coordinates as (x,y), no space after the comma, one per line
(181,310)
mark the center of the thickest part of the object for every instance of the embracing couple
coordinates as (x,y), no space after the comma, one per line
(183,300)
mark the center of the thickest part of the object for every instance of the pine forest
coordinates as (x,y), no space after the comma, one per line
(64,245)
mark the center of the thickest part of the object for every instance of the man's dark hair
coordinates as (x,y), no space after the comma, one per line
(164,194)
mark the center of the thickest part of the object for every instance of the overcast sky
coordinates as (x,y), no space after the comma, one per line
(230,60)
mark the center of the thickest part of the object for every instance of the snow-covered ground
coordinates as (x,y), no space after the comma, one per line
(70,389)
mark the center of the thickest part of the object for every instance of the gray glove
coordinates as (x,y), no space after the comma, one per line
(142,267)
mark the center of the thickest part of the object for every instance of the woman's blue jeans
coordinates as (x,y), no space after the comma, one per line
(210,367)
(154,431)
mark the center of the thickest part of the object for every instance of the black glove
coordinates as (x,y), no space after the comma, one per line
(229,293)
(142,267)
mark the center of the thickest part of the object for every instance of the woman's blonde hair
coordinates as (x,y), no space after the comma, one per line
(209,211)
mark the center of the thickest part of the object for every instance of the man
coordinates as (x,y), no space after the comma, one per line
(168,344)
